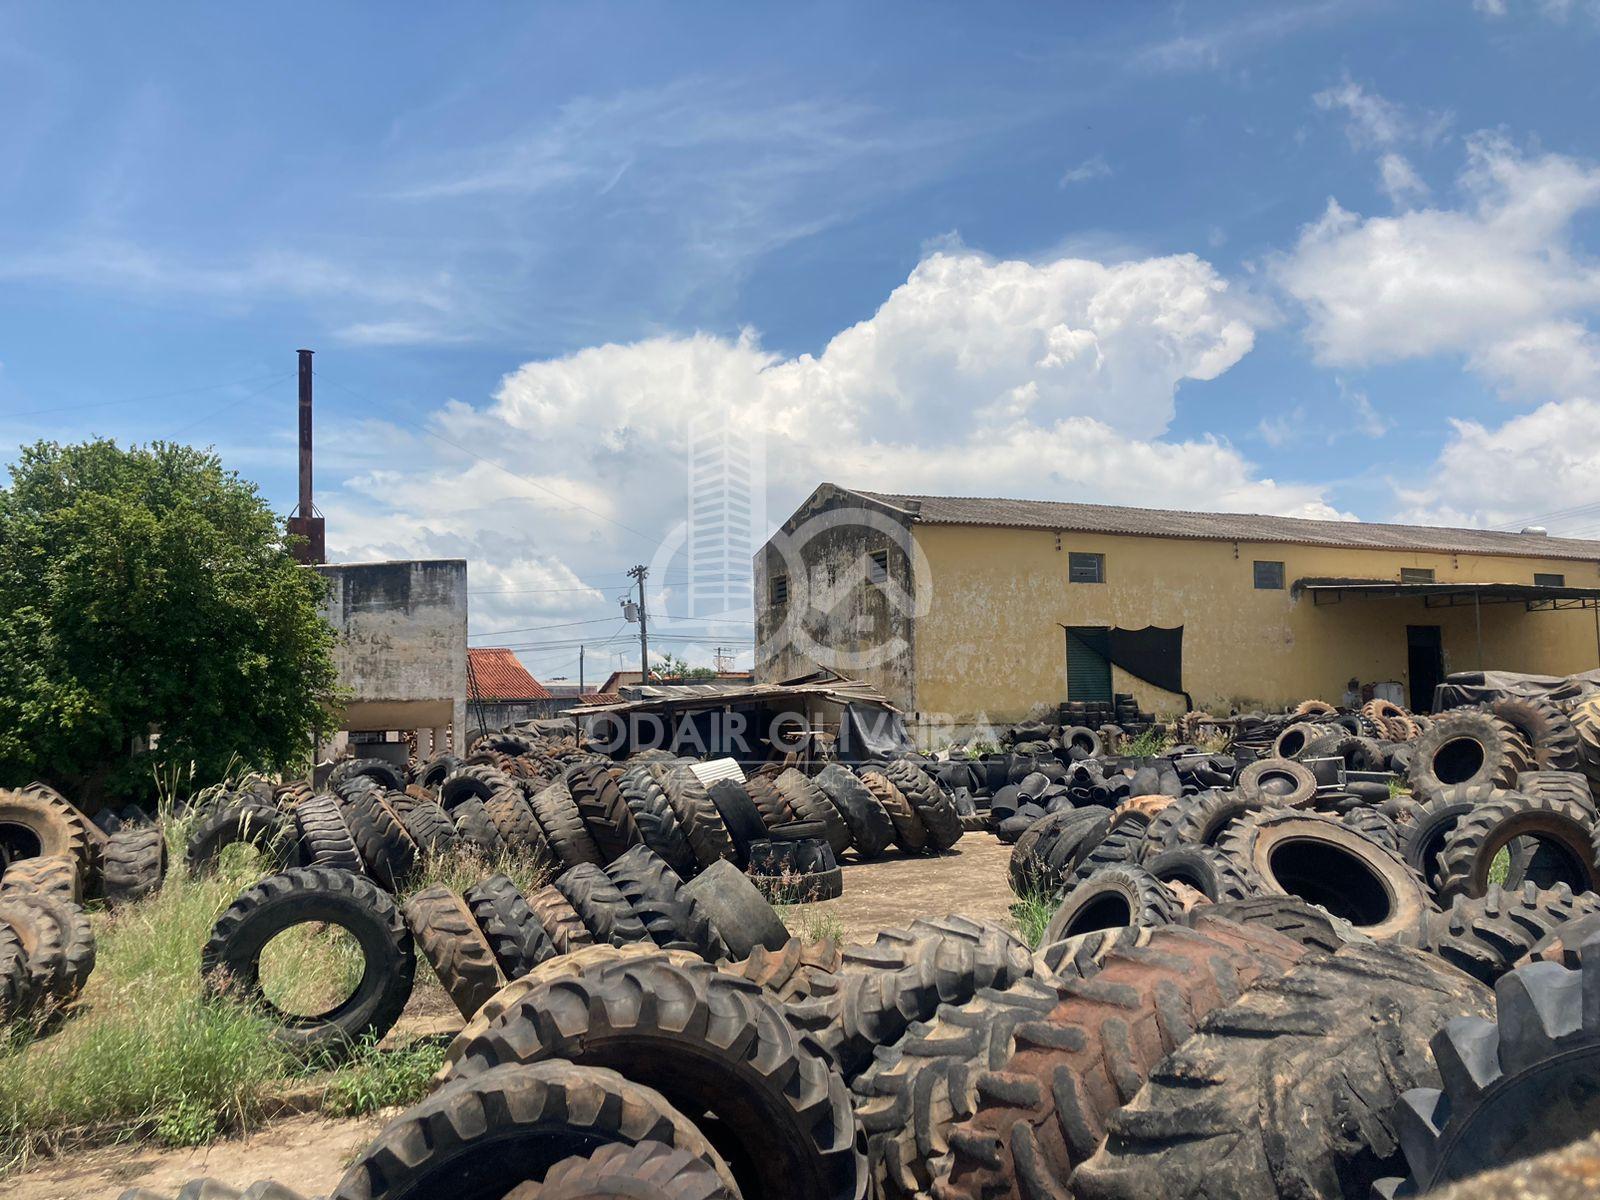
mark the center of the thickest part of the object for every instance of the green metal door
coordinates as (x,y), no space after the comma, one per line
(1088,669)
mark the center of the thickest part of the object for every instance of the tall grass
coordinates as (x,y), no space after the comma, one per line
(1032,913)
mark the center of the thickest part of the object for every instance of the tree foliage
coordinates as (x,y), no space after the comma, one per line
(150,591)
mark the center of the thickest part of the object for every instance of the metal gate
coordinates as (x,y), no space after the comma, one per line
(1088,668)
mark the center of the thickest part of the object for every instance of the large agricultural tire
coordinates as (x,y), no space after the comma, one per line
(71,967)
(519,829)
(1562,850)
(55,875)
(480,1138)
(1486,936)
(133,864)
(1466,746)
(1289,1091)
(1331,865)
(563,826)
(773,805)
(44,960)
(1118,846)
(1547,730)
(247,820)
(698,815)
(561,921)
(436,769)
(387,851)
(810,803)
(1514,1084)
(1425,825)
(934,809)
(648,1171)
(1082,955)
(1278,781)
(605,813)
(230,961)
(16,984)
(1298,921)
(1031,870)
(741,817)
(449,937)
(1045,1110)
(741,916)
(426,824)
(1557,785)
(323,836)
(1305,739)
(879,990)
(870,827)
(671,917)
(1206,869)
(33,824)
(1202,819)
(474,830)
(384,774)
(710,1043)
(477,782)
(514,934)
(909,832)
(1111,898)
(657,822)
(916,1089)
(790,973)
(605,910)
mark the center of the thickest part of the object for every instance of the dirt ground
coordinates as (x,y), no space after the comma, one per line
(309,1153)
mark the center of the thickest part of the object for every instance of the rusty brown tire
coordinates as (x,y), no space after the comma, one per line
(55,875)
(1467,746)
(1331,865)
(789,973)
(230,961)
(605,813)
(909,832)
(1559,830)
(33,824)
(1278,781)
(454,946)
(698,814)
(710,1043)
(1290,1090)
(648,1171)
(560,920)
(773,805)
(44,961)
(1111,898)
(481,1138)
(936,811)
(71,967)
(1045,1110)
(563,826)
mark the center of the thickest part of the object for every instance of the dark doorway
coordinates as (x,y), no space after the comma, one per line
(1088,668)
(1424,664)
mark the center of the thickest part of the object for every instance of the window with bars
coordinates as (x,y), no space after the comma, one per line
(778,590)
(878,567)
(1416,574)
(1086,568)
(1269,576)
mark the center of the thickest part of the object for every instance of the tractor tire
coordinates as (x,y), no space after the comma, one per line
(773,805)
(133,864)
(657,823)
(54,875)
(1547,730)
(1280,782)
(563,826)
(514,934)
(655,893)
(32,825)
(871,830)
(1111,898)
(935,810)
(230,961)
(383,773)
(249,821)
(479,782)
(1466,746)
(1562,832)
(909,832)
(474,830)
(1203,819)
(520,832)
(810,803)
(650,1170)
(387,851)
(605,911)
(561,921)
(323,836)
(697,814)
(1205,868)
(741,916)
(1298,921)
(741,817)
(605,813)
(1488,935)
(458,951)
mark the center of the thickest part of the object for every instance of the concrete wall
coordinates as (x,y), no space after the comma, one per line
(991,641)
(831,606)
(402,649)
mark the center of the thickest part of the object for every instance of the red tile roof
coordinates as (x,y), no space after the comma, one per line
(496,674)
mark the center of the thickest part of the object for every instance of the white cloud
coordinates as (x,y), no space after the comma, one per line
(1496,281)
(1089,169)
(1372,120)
(1400,179)
(1051,379)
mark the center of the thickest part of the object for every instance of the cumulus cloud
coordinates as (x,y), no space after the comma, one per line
(1497,280)
(1054,379)
(1373,120)
(1400,179)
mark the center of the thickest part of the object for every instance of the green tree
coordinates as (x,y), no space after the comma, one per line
(149,591)
(673,669)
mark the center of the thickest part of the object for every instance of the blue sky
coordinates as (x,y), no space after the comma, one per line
(1308,258)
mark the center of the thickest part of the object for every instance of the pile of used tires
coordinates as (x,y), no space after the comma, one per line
(52,860)
(639,853)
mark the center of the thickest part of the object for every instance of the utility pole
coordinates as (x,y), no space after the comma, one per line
(580,671)
(640,572)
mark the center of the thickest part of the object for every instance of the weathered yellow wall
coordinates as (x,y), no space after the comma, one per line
(991,641)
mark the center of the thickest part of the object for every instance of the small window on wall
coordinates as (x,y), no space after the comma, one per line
(778,590)
(878,567)
(1269,576)
(1542,580)
(1086,568)
(1416,574)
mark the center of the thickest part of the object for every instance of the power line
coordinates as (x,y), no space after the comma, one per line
(232,404)
(538,628)
(211,387)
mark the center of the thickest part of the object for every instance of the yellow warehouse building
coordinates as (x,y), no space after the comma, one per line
(965,611)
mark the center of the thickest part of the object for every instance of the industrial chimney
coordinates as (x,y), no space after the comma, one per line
(306,522)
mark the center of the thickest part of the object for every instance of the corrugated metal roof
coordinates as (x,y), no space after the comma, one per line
(1228,527)
(497,674)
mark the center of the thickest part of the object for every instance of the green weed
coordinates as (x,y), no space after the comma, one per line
(1031,913)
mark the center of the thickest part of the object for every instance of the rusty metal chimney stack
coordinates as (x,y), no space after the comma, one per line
(306,523)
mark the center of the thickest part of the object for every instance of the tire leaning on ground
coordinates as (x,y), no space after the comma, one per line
(230,961)
(33,825)
(514,934)
(323,836)
(934,809)
(605,813)
(563,826)
(1333,1041)
(710,1043)
(740,817)
(1561,831)
(560,920)
(605,911)
(47,874)
(909,832)
(655,893)
(657,823)
(1329,864)
(387,850)
(482,1137)
(871,830)
(648,1169)
(697,813)
(427,824)
(739,913)
(1111,898)
(454,946)
(1468,746)
(811,803)
(245,820)
(133,864)
(1277,781)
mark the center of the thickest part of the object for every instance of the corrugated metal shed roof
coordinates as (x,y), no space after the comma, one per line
(1228,527)
(497,674)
